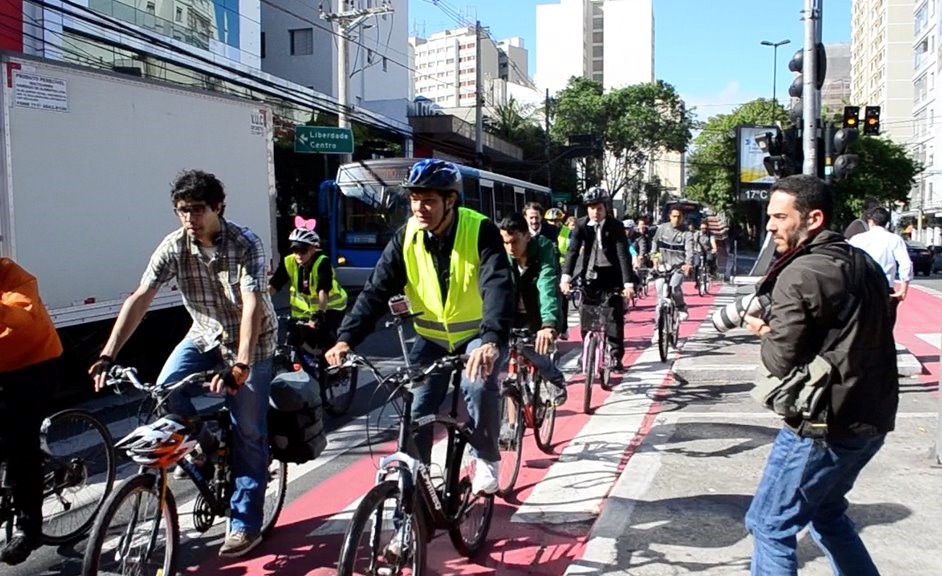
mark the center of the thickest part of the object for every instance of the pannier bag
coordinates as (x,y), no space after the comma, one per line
(295,418)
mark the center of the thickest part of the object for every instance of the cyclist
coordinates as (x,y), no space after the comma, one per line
(220,269)
(316,298)
(705,245)
(674,247)
(536,281)
(533,211)
(451,264)
(558,218)
(29,362)
(605,265)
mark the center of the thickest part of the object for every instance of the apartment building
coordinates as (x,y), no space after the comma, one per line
(609,41)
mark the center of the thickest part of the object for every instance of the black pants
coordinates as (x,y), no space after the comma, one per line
(609,280)
(22,404)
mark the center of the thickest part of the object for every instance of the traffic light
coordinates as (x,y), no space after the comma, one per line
(797,64)
(871,120)
(851,115)
(845,160)
(781,160)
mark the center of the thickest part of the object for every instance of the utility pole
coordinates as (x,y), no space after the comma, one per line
(478,97)
(348,20)
(809,128)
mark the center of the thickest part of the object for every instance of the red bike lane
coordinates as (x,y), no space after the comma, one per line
(308,536)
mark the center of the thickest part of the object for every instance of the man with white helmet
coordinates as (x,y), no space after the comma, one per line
(316,298)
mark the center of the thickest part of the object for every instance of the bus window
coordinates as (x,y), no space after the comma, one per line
(472,193)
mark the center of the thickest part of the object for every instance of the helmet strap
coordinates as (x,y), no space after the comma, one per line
(443,224)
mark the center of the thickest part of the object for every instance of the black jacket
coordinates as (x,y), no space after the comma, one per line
(389,279)
(613,244)
(829,284)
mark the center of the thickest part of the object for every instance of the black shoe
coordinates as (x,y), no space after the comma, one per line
(617,366)
(561,394)
(18,548)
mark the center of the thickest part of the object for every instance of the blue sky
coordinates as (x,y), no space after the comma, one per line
(708,49)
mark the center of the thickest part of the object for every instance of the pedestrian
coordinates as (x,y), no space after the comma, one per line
(605,267)
(859,225)
(28,365)
(221,271)
(828,304)
(451,264)
(889,251)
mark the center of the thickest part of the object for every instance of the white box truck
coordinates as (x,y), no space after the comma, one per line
(86,163)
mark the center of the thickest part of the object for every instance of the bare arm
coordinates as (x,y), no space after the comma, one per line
(132,312)
(249,327)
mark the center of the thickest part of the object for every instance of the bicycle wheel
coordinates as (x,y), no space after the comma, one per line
(78,473)
(339,392)
(134,534)
(606,380)
(469,514)
(589,368)
(701,289)
(380,539)
(274,495)
(662,333)
(707,280)
(544,414)
(512,426)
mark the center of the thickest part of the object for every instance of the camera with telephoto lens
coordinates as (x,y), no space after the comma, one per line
(732,315)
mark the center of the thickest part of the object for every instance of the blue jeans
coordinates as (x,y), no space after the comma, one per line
(805,482)
(481,398)
(248,410)
(677,292)
(544,365)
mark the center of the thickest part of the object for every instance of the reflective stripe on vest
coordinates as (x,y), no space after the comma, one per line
(458,319)
(303,305)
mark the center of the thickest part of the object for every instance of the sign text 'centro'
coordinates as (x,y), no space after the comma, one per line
(323,140)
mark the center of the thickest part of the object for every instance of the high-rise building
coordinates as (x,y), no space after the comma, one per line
(835,92)
(609,41)
(446,68)
(926,134)
(882,62)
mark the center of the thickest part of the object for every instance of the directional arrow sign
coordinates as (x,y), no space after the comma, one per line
(323,140)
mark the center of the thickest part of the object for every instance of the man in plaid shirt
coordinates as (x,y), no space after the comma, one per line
(221,271)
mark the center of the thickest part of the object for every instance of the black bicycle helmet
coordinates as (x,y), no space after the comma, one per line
(596,195)
(432,174)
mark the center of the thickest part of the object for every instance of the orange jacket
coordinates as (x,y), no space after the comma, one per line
(27,334)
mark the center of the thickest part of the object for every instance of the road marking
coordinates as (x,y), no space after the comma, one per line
(931,339)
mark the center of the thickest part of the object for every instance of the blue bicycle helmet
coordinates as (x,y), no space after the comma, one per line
(432,174)
(596,195)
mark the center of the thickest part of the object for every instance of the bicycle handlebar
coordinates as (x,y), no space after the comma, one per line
(119,375)
(402,375)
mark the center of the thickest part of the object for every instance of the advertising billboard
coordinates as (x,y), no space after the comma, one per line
(752,178)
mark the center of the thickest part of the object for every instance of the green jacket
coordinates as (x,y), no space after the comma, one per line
(537,286)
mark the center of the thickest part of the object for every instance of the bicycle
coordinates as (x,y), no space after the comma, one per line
(668,319)
(644,275)
(526,402)
(337,390)
(395,519)
(138,531)
(78,462)
(596,349)
(703,275)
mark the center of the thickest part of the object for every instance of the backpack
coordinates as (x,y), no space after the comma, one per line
(295,418)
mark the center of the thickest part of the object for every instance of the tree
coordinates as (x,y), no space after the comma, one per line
(635,124)
(712,164)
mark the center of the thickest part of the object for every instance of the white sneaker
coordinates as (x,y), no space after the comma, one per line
(654,337)
(485,477)
(682,316)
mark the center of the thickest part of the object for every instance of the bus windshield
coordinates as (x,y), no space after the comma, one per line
(371,204)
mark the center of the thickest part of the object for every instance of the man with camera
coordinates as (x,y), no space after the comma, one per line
(828,308)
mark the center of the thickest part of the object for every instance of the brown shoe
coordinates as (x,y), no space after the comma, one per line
(239,544)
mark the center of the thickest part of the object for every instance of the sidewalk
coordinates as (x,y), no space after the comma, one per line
(679,503)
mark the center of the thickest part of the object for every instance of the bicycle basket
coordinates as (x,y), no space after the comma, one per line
(595,317)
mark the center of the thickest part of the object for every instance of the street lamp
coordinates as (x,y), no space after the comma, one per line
(774,46)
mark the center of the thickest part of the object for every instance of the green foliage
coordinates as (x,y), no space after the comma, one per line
(636,123)
(887,172)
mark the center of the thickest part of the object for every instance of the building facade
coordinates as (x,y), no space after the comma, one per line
(609,41)
(926,198)
(835,92)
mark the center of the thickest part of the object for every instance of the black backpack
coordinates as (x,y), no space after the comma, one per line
(295,418)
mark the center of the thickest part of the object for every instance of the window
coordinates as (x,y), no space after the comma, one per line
(263,45)
(151,8)
(179,14)
(302,41)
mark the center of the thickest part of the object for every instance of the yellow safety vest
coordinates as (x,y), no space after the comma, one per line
(562,242)
(458,319)
(303,306)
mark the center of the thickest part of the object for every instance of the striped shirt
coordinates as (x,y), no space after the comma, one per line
(212,285)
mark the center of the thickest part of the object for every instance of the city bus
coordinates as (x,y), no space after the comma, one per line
(369,207)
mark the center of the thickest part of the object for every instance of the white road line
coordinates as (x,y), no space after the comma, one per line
(932,339)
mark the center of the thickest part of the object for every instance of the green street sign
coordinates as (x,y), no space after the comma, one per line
(323,140)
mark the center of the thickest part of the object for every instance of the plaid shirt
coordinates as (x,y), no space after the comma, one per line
(212,287)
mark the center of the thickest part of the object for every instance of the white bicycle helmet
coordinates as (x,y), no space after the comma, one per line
(159,444)
(304,236)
